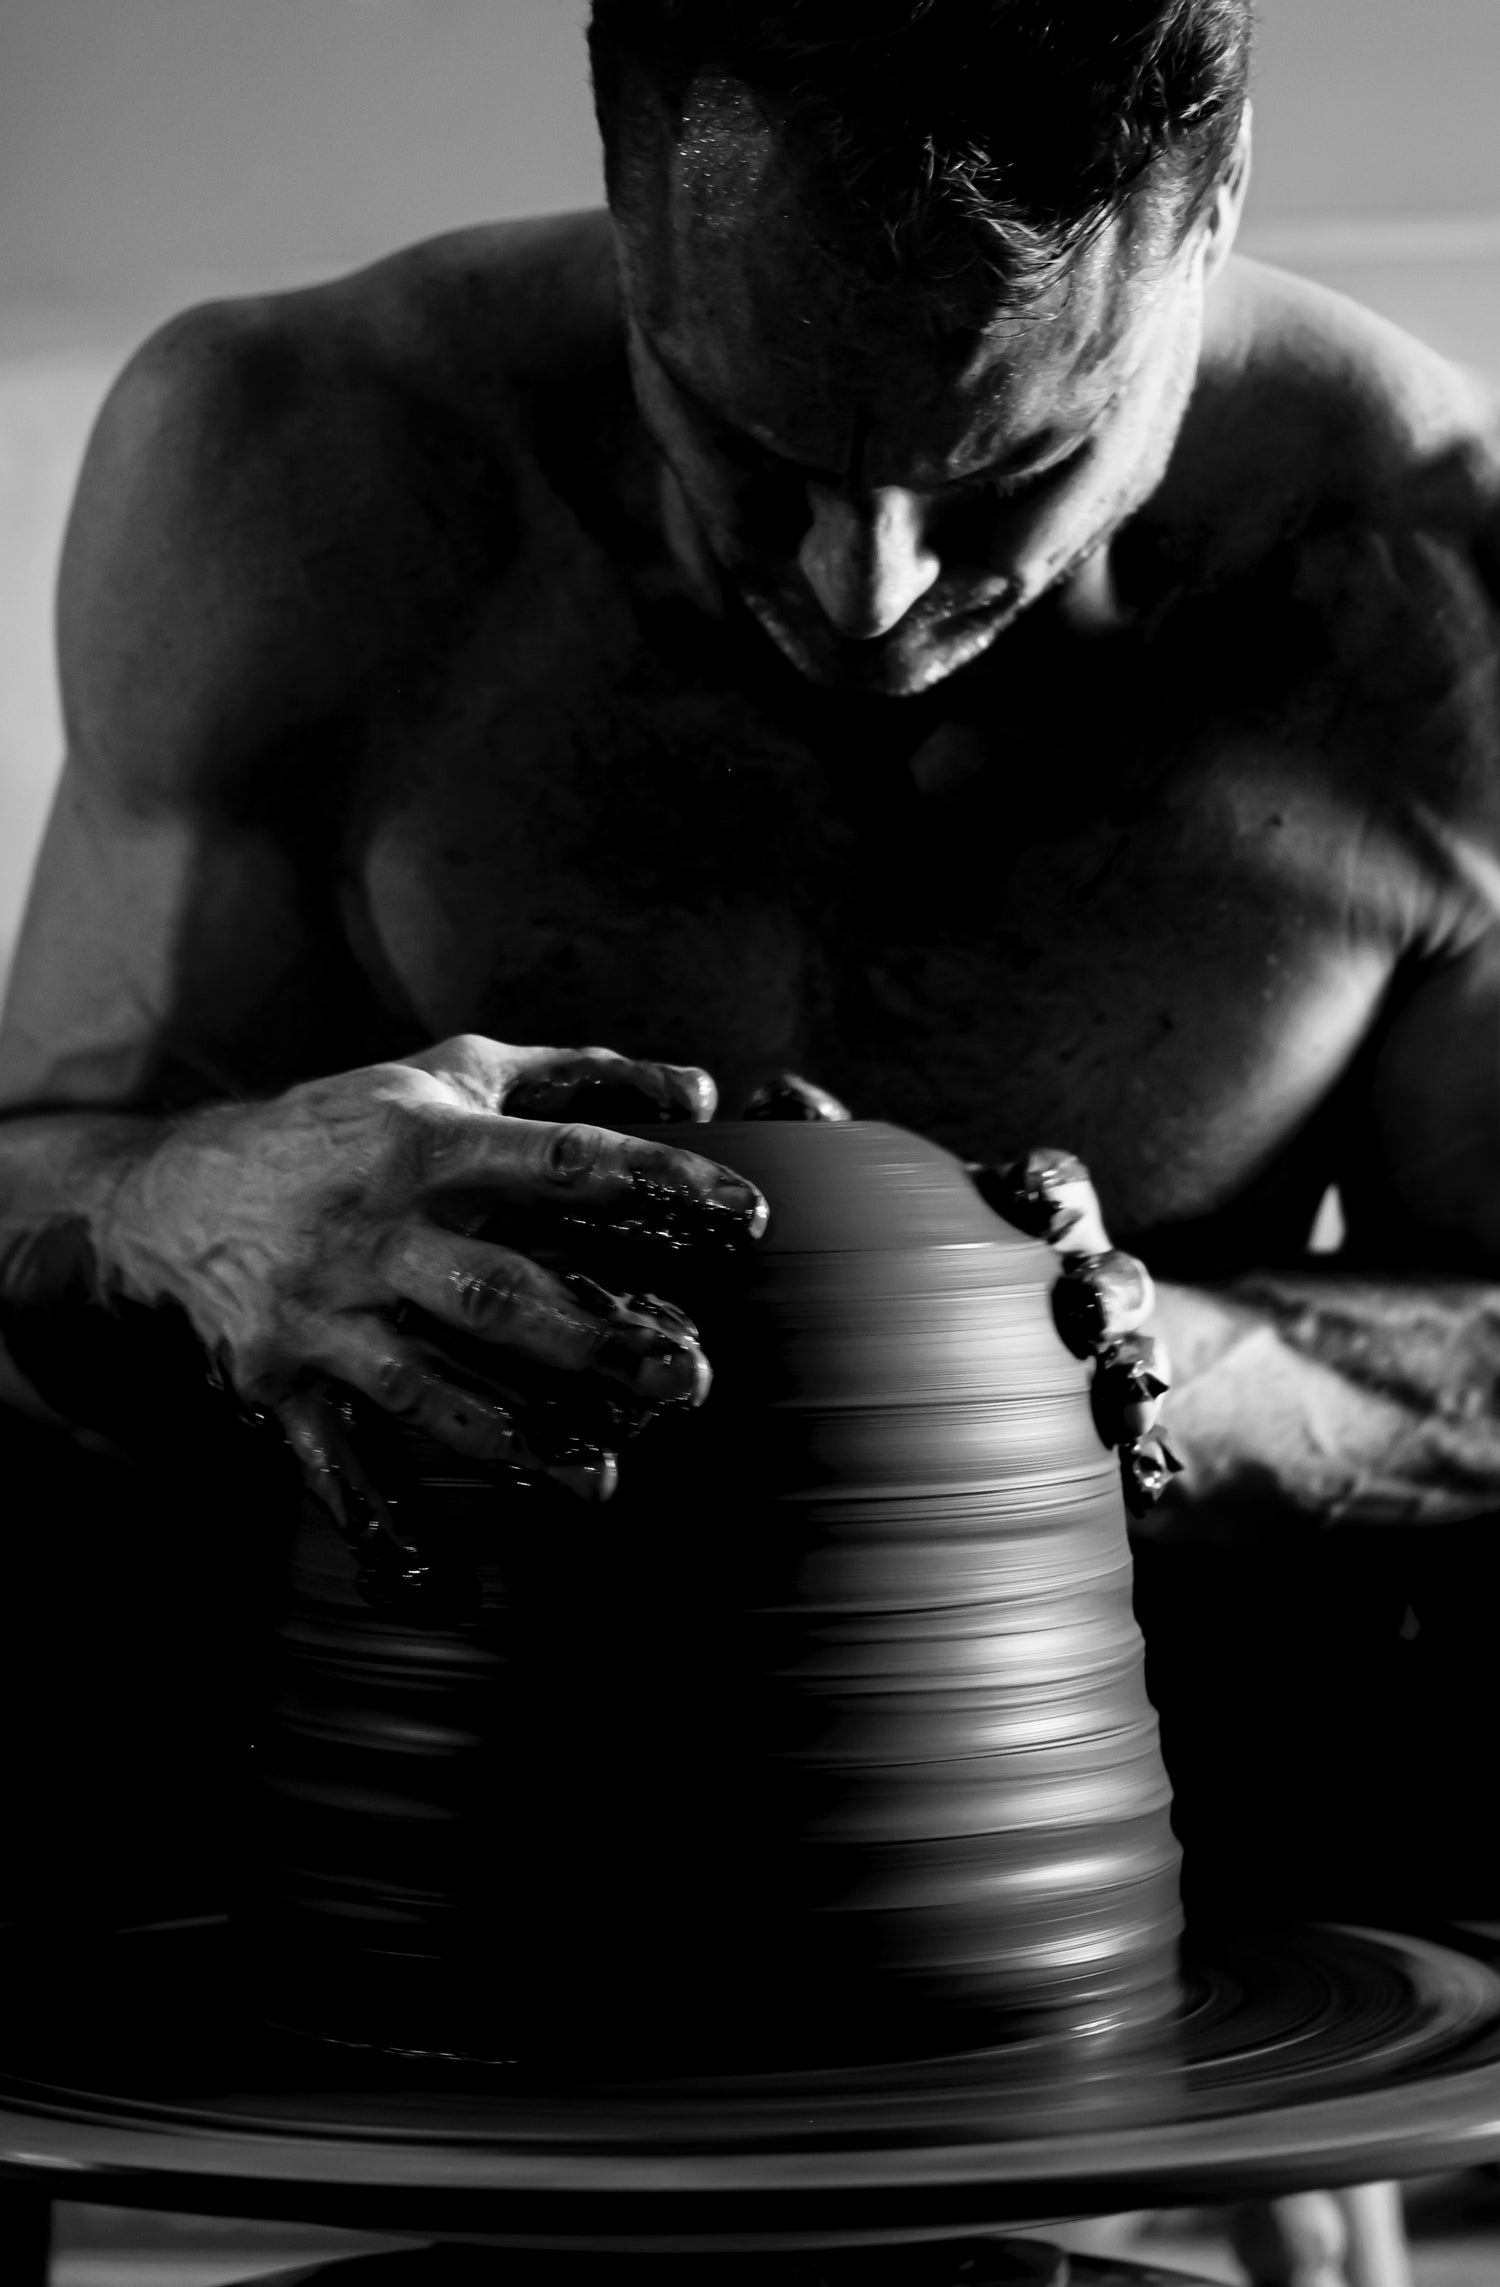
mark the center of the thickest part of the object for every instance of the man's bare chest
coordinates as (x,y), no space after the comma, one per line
(1000,922)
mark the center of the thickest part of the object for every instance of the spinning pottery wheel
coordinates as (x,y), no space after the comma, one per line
(138,2075)
(777,1858)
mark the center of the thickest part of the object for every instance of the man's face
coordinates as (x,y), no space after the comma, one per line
(887,476)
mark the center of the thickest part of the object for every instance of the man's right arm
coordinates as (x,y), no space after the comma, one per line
(167,927)
(219,619)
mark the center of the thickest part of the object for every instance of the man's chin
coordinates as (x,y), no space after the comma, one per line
(900,665)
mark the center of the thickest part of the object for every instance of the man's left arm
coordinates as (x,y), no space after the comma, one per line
(1346,1390)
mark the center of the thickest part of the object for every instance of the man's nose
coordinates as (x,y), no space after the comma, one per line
(866,558)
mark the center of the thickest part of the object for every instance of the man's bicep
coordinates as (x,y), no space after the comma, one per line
(143,933)
(1431,1156)
(167,914)
(200,603)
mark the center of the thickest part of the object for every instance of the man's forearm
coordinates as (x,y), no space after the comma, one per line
(1349,1399)
(59,1175)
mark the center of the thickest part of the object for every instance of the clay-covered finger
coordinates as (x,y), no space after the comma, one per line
(1049,1195)
(316,1421)
(1147,1467)
(650,1190)
(557,1320)
(790,1097)
(1129,1388)
(398,1570)
(608,1090)
(411,1381)
(308,1424)
(1099,1299)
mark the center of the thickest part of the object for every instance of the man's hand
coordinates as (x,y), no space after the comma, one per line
(328,1234)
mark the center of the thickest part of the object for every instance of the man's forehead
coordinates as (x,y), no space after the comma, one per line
(756,299)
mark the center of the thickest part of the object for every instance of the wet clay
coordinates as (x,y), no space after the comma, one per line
(827,1738)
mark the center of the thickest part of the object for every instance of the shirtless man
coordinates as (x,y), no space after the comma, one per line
(894,600)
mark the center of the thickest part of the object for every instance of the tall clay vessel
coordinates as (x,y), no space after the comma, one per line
(828,1737)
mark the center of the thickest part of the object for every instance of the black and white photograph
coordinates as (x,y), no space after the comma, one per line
(750,1143)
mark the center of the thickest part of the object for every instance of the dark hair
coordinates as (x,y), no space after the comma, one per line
(1017,126)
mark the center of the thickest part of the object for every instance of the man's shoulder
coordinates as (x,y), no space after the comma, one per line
(1337,485)
(1315,415)
(456,334)
(286,490)
(1344,489)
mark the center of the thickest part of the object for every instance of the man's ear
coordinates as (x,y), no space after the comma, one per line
(1222,221)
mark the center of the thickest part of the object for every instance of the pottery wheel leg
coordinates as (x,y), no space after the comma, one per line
(1377,2254)
(1299,2241)
(25,2235)
(1324,2239)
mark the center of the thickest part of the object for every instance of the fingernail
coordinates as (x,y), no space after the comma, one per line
(669,1373)
(592,1480)
(736,1197)
(679,1374)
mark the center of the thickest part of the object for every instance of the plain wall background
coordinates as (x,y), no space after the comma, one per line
(156,151)
(180,143)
